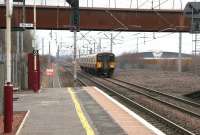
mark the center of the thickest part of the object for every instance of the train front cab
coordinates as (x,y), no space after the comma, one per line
(105,64)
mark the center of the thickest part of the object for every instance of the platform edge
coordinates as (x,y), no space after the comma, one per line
(133,114)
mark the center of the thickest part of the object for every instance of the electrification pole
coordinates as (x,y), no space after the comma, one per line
(43,46)
(111,42)
(49,59)
(195,45)
(137,51)
(94,48)
(179,55)
(99,47)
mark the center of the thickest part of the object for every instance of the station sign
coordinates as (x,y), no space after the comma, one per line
(26,25)
(35,52)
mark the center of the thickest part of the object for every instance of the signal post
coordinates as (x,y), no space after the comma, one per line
(75,23)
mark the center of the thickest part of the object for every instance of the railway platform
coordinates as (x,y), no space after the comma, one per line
(78,111)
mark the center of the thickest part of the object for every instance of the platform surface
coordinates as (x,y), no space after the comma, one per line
(53,112)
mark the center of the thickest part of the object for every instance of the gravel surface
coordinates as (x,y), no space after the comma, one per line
(66,78)
(166,81)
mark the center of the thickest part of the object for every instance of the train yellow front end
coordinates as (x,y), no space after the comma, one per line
(101,64)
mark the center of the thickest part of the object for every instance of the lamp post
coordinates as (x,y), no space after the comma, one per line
(8,87)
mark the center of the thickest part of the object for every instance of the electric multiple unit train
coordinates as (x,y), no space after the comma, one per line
(101,64)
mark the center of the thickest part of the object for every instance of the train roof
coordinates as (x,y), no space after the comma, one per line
(92,55)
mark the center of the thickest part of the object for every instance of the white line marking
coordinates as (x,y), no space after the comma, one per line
(22,124)
(133,114)
(80,113)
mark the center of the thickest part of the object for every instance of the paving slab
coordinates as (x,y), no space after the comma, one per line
(52,112)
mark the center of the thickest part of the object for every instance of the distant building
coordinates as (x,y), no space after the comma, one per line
(154,60)
(163,55)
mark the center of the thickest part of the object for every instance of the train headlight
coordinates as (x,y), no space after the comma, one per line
(99,65)
(112,65)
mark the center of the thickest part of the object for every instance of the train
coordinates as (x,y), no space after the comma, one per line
(100,64)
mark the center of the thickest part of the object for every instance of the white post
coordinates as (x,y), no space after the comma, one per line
(22,77)
(34,22)
(195,45)
(49,59)
(17,55)
(137,51)
(111,43)
(35,45)
(8,39)
(43,46)
(22,33)
(75,72)
(94,48)
(179,55)
(99,45)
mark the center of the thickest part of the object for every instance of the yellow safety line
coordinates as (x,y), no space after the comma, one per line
(84,122)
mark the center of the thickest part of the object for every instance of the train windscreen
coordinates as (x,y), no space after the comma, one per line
(105,57)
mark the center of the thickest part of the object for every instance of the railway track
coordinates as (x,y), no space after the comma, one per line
(166,125)
(172,126)
(176,102)
(158,93)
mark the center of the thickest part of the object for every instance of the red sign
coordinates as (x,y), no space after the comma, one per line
(49,72)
